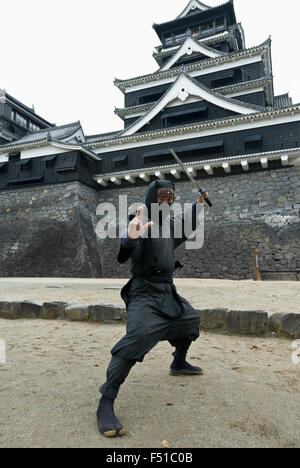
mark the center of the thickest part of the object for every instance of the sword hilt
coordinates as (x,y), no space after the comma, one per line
(203,192)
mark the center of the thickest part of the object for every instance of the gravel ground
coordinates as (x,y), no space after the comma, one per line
(271,297)
(248,397)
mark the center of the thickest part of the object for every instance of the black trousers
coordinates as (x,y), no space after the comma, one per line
(155,313)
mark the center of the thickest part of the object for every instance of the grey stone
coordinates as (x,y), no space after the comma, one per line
(53,310)
(214,319)
(10,310)
(76,312)
(30,309)
(288,324)
(104,312)
(248,322)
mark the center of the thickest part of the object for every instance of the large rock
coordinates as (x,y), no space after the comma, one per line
(53,310)
(10,310)
(30,309)
(248,322)
(106,312)
(76,312)
(214,319)
(288,324)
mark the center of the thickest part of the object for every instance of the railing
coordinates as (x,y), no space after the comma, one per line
(205,33)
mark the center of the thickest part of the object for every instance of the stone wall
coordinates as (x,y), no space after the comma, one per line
(251,210)
(50,231)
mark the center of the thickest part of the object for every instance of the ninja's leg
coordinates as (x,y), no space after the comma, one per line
(183,332)
(180,366)
(117,371)
(139,340)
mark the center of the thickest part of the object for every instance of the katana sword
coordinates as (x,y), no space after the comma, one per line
(201,189)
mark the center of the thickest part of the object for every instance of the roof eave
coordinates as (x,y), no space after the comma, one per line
(160,28)
(124,84)
(201,163)
(197,126)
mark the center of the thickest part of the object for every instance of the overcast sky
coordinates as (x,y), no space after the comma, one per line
(63,55)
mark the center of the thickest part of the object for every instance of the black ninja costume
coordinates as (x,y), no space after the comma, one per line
(156,312)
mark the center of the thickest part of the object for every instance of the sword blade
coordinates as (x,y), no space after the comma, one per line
(191,178)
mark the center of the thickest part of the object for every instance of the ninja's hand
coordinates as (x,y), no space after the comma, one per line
(136,228)
(201,199)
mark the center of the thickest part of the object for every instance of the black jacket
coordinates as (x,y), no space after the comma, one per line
(151,255)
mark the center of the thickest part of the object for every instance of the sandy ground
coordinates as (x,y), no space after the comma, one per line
(248,397)
(272,297)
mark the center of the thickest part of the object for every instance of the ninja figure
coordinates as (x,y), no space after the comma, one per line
(156,312)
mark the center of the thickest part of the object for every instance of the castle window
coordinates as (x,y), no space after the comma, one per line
(50,161)
(229,77)
(181,117)
(14,156)
(120,162)
(169,40)
(24,164)
(66,163)
(151,97)
(157,157)
(253,142)
(180,37)
(3,166)
(19,119)
(191,151)
(33,127)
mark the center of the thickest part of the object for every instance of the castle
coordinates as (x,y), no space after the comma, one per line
(212,100)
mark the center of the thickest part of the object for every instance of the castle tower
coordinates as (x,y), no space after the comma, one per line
(17,120)
(212,99)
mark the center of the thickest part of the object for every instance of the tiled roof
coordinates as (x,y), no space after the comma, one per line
(122,84)
(207,90)
(59,134)
(212,9)
(210,52)
(55,133)
(283,101)
(202,162)
(102,136)
(266,114)
(121,112)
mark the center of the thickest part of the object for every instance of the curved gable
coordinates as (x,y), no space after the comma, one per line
(189,47)
(181,90)
(193,6)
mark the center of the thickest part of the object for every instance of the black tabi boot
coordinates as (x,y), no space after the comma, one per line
(108,423)
(180,367)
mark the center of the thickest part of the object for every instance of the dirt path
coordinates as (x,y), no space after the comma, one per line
(272,297)
(248,397)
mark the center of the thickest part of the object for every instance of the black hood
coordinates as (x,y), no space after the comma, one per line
(151,194)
